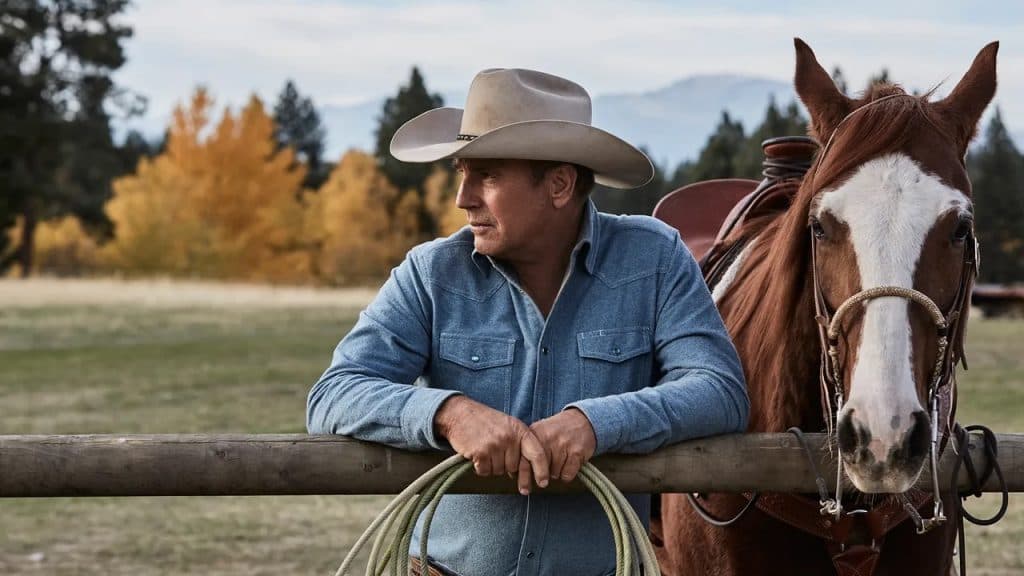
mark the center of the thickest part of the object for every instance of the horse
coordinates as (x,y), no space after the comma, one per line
(848,308)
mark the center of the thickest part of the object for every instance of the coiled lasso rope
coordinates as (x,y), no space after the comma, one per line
(394,525)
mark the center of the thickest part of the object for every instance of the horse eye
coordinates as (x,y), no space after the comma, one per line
(963,229)
(817,229)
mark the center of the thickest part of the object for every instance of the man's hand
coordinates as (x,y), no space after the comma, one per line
(495,442)
(569,440)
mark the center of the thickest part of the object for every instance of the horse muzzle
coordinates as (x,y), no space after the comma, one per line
(884,462)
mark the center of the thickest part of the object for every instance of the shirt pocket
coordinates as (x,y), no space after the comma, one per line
(614,360)
(478,366)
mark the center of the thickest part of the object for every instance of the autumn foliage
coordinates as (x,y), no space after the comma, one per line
(224,201)
(362,225)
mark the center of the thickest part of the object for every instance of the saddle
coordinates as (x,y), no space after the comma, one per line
(710,215)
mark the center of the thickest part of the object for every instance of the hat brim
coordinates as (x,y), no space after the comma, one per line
(432,136)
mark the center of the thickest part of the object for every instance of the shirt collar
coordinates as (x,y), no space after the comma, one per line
(585,243)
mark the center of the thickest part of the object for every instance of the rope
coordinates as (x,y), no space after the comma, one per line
(392,528)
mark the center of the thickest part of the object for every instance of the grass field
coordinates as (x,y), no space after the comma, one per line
(81,358)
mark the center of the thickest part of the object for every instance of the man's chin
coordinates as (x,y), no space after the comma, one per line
(485,246)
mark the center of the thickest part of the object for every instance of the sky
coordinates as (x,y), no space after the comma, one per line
(343,52)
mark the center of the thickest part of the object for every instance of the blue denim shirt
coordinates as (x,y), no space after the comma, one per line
(633,341)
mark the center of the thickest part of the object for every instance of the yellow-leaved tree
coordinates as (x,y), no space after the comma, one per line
(362,225)
(62,247)
(220,202)
(440,189)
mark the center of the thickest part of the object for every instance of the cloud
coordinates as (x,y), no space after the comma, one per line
(348,51)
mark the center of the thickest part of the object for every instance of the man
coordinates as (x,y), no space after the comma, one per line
(544,332)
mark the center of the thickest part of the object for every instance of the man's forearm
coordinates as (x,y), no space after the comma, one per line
(375,410)
(699,403)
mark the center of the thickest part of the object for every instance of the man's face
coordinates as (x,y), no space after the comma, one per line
(507,210)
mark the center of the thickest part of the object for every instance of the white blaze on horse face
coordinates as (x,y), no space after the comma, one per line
(889,204)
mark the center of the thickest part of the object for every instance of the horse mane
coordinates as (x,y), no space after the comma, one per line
(769,310)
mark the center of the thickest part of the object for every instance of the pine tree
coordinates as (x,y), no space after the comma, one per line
(640,200)
(719,156)
(56,63)
(997,176)
(681,176)
(776,123)
(412,100)
(298,125)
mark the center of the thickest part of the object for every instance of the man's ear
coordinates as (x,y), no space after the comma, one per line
(562,182)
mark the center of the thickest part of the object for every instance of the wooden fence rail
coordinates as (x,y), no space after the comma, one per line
(207,465)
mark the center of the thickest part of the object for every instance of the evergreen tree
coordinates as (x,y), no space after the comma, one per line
(997,176)
(412,100)
(640,200)
(719,157)
(789,122)
(15,101)
(56,62)
(136,147)
(297,124)
(681,176)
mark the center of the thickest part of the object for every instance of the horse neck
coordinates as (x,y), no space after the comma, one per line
(769,311)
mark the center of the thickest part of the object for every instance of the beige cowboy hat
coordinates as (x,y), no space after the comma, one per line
(521,114)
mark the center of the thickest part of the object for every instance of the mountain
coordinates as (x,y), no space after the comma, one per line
(673,122)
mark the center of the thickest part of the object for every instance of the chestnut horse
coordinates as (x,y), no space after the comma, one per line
(882,221)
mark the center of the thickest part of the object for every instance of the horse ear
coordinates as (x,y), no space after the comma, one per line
(825,103)
(963,107)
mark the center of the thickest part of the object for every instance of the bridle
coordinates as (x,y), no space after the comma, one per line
(949,332)
(948,325)
(848,552)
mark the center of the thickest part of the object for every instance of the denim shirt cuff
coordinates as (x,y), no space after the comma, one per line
(605,420)
(418,418)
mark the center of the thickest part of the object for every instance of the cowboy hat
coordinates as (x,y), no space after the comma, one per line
(523,115)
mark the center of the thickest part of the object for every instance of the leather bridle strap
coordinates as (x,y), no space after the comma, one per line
(942,377)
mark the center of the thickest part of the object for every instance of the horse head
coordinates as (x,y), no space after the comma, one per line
(892,250)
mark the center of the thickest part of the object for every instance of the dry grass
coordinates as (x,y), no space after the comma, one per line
(36,292)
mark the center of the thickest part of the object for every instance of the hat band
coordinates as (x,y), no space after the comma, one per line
(465,137)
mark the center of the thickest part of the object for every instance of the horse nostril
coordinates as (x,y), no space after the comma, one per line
(847,434)
(919,436)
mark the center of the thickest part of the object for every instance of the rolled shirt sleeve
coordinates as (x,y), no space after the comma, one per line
(700,390)
(369,390)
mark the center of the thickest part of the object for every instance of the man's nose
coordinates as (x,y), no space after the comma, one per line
(466,196)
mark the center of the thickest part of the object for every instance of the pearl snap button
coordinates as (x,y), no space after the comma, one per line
(616,351)
(475,358)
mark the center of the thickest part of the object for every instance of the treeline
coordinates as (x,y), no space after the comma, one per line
(248,194)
